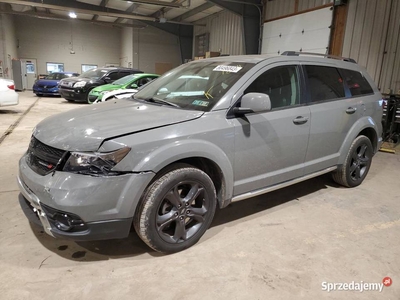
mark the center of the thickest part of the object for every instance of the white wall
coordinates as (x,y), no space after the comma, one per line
(226,33)
(8,43)
(51,41)
(151,46)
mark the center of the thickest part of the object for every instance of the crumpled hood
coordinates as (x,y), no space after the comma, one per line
(84,129)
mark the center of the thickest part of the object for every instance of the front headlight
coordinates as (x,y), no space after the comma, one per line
(94,163)
(80,84)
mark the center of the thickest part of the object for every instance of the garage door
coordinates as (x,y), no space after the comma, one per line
(307,32)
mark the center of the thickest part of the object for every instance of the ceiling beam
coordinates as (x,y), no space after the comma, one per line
(61,18)
(129,10)
(63,7)
(194,11)
(84,8)
(104,3)
(157,3)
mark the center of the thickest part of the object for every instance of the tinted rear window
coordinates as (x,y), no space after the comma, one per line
(356,82)
(325,83)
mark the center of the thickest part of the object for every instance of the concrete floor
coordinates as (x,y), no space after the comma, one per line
(282,245)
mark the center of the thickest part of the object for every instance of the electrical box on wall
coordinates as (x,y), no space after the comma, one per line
(339,2)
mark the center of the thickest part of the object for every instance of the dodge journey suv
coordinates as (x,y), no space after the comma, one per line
(164,159)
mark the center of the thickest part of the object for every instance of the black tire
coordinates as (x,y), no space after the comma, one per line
(176,209)
(87,96)
(356,164)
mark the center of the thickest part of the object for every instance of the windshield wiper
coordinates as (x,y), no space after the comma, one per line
(158,100)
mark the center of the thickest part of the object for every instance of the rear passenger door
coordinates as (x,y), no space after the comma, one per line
(270,147)
(332,115)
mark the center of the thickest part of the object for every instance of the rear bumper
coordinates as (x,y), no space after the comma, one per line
(9,98)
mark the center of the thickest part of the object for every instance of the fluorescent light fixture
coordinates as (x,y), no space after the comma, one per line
(72,15)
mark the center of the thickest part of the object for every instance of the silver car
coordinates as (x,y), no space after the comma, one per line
(207,133)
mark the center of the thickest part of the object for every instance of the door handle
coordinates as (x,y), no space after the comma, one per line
(300,120)
(351,110)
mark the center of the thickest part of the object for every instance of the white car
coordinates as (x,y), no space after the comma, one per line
(8,96)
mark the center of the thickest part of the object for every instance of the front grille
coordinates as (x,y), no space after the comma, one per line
(46,86)
(42,158)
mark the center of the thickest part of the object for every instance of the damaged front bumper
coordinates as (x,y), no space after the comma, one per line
(81,207)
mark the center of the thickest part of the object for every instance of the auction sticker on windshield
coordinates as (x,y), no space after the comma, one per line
(200,103)
(230,69)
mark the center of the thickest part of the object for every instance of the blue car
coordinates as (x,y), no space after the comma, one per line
(49,85)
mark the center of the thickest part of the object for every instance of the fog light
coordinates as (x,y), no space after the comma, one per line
(63,222)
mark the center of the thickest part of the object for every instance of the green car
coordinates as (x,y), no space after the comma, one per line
(133,81)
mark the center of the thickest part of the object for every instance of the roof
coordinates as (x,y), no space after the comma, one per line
(116,12)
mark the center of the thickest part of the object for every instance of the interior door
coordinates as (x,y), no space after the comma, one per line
(30,72)
(270,147)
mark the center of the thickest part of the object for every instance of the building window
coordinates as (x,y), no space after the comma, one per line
(54,67)
(88,67)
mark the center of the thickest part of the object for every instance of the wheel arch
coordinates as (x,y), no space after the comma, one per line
(364,126)
(203,155)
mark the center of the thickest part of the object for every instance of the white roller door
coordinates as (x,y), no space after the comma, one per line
(307,32)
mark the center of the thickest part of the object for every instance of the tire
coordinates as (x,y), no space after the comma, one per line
(176,209)
(87,96)
(356,164)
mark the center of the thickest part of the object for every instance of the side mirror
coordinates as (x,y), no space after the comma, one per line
(253,102)
(107,80)
(134,86)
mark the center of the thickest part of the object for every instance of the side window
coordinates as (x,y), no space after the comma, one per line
(123,74)
(143,81)
(356,82)
(113,76)
(281,84)
(325,83)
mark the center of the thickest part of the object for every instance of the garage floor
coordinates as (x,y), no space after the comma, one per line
(282,245)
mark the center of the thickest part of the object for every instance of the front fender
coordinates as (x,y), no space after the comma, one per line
(360,125)
(178,150)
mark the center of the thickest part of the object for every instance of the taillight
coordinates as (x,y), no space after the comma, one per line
(11,87)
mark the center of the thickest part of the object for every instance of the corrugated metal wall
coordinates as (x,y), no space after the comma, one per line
(279,8)
(226,32)
(372,39)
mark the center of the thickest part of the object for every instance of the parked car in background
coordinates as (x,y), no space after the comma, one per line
(8,95)
(78,88)
(49,84)
(133,81)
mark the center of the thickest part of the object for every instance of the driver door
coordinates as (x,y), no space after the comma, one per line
(270,147)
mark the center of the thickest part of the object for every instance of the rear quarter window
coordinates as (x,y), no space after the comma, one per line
(325,83)
(356,82)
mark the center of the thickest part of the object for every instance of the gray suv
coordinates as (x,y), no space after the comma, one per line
(207,133)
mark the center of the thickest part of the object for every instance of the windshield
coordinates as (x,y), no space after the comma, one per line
(124,80)
(195,86)
(94,73)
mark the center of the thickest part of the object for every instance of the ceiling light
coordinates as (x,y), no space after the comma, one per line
(72,15)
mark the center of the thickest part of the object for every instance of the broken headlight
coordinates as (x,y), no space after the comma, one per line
(95,163)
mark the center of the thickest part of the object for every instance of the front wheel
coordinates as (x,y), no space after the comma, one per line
(357,163)
(176,209)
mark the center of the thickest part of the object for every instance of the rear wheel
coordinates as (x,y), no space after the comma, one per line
(357,163)
(176,209)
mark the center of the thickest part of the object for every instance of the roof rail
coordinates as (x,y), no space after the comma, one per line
(294,53)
